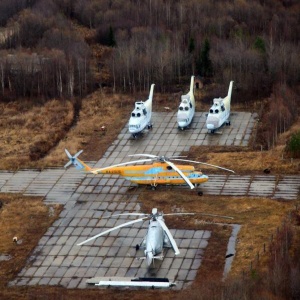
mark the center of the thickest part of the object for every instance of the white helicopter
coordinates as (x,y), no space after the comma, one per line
(219,112)
(186,109)
(141,115)
(158,236)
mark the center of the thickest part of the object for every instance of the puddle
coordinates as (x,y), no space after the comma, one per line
(5,257)
(230,253)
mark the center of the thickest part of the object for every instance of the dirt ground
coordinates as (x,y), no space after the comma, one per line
(36,135)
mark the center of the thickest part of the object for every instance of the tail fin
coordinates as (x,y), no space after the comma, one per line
(151,91)
(149,101)
(192,84)
(79,165)
(230,91)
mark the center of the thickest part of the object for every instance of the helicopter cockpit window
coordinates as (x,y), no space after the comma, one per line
(216,111)
(180,108)
(133,114)
(145,111)
(222,108)
(186,108)
(191,105)
(211,111)
(169,168)
(138,115)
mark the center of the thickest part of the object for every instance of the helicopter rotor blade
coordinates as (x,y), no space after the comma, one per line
(181,174)
(202,214)
(96,171)
(178,214)
(213,215)
(199,162)
(72,159)
(109,230)
(127,214)
(68,154)
(169,234)
(145,155)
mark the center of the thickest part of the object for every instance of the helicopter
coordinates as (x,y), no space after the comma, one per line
(219,112)
(186,109)
(160,172)
(141,115)
(158,235)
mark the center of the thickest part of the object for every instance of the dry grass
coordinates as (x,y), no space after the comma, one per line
(28,131)
(247,162)
(97,110)
(28,219)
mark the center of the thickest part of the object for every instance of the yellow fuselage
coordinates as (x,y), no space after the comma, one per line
(157,173)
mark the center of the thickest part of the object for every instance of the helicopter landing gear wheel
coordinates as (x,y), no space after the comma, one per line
(200,193)
(137,247)
(153,187)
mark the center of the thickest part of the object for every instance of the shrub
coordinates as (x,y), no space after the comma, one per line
(293,145)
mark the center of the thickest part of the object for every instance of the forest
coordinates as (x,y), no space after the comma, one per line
(46,52)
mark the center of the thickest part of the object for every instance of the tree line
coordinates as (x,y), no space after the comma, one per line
(43,56)
(255,43)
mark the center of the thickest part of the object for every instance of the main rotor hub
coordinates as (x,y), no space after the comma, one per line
(163,158)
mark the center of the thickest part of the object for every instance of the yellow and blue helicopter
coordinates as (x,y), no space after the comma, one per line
(161,171)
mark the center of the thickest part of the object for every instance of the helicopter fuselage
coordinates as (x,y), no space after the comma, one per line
(186,109)
(140,117)
(155,241)
(185,112)
(218,114)
(157,173)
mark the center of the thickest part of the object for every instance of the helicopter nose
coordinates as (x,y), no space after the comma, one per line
(149,258)
(205,177)
(182,123)
(210,126)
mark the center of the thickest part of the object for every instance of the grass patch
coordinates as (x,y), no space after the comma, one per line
(29,131)
(28,219)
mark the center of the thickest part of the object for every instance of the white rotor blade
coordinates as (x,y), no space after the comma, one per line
(203,214)
(169,234)
(145,155)
(68,154)
(175,214)
(198,162)
(78,153)
(95,171)
(69,163)
(213,215)
(127,214)
(109,230)
(181,174)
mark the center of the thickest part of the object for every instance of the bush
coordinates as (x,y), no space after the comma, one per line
(293,145)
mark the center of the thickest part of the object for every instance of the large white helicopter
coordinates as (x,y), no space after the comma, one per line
(158,235)
(219,112)
(141,115)
(186,109)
